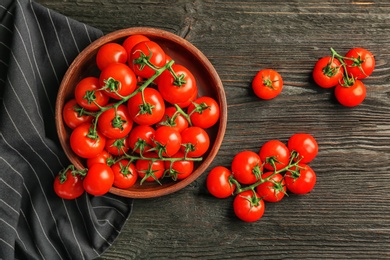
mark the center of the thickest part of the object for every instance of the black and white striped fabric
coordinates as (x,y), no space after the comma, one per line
(36,47)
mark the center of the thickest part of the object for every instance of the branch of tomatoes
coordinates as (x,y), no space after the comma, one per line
(266,176)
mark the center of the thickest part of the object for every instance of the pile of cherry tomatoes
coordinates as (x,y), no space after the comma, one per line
(140,119)
(344,74)
(268,175)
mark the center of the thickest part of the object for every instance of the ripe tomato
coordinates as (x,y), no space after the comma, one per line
(84,143)
(99,179)
(133,40)
(118,146)
(115,123)
(246,167)
(188,102)
(275,154)
(305,145)
(150,170)
(173,119)
(103,157)
(68,185)
(204,112)
(218,182)
(150,112)
(118,80)
(248,206)
(140,138)
(110,53)
(272,190)
(195,141)
(360,63)
(328,72)
(267,84)
(351,96)
(88,94)
(166,141)
(146,51)
(125,174)
(301,179)
(73,115)
(177,88)
(181,169)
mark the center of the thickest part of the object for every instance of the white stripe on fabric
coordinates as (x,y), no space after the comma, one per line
(29,228)
(10,207)
(108,207)
(9,186)
(71,33)
(109,223)
(86,30)
(8,244)
(58,39)
(16,232)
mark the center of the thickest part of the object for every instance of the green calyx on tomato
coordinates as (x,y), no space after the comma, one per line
(63,176)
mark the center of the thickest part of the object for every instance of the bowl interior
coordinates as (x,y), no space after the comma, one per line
(182,52)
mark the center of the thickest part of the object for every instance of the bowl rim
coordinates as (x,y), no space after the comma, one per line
(90,51)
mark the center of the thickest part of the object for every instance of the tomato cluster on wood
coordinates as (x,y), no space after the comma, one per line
(254,178)
(141,119)
(345,74)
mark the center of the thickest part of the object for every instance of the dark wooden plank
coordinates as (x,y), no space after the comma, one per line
(347,216)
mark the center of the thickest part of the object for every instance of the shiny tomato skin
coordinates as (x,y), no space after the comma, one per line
(125,174)
(71,117)
(133,40)
(267,84)
(246,167)
(103,157)
(84,146)
(149,113)
(363,66)
(115,123)
(117,77)
(71,188)
(173,119)
(305,145)
(179,170)
(275,151)
(300,180)
(155,54)
(272,190)
(189,101)
(167,141)
(141,136)
(327,72)
(149,170)
(172,90)
(117,147)
(85,86)
(99,179)
(351,96)
(248,206)
(218,182)
(204,112)
(110,53)
(195,141)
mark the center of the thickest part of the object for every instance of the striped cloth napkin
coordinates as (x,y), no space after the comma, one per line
(36,47)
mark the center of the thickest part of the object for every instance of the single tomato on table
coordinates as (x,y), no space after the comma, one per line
(351,95)
(267,84)
(248,206)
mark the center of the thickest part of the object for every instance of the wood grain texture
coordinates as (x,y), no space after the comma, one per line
(347,216)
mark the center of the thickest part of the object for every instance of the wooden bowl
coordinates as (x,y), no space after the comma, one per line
(183,53)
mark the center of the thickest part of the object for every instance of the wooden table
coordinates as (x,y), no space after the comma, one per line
(347,216)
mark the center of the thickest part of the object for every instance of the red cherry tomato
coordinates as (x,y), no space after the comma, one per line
(178,87)
(150,112)
(73,116)
(272,190)
(188,102)
(305,145)
(267,84)
(125,174)
(99,179)
(140,138)
(110,53)
(118,146)
(246,167)
(83,144)
(204,112)
(88,94)
(133,40)
(103,157)
(195,141)
(68,185)
(173,119)
(115,123)
(218,182)
(275,154)
(328,72)
(301,179)
(360,63)
(352,95)
(167,141)
(150,170)
(248,206)
(179,170)
(150,51)
(118,80)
